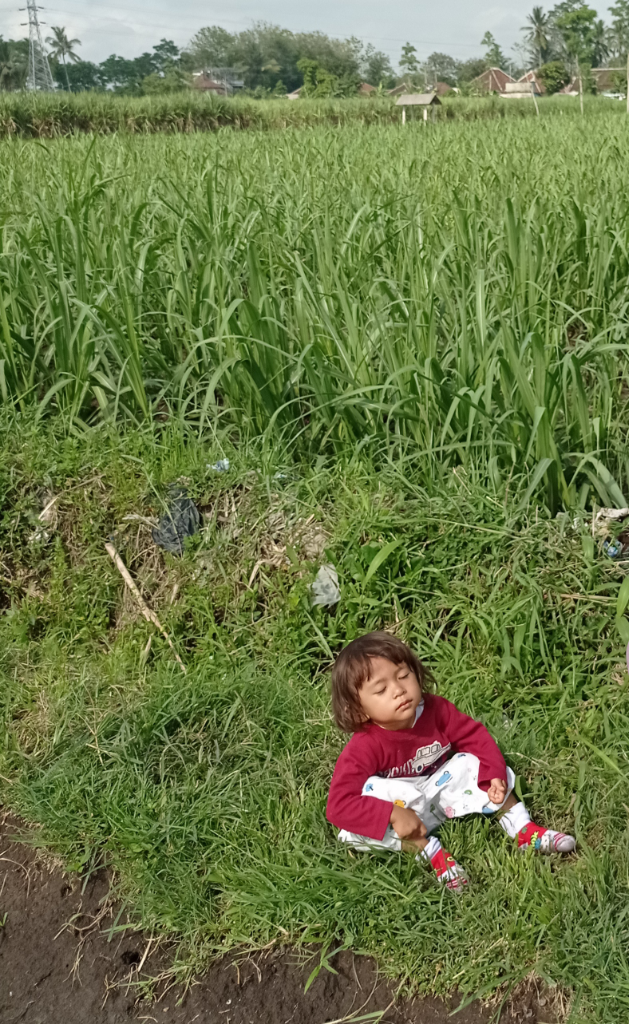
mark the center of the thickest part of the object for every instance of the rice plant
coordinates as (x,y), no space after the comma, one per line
(455,293)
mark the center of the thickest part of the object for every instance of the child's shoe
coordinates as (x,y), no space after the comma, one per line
(448,871)
(517,824)
(545,839)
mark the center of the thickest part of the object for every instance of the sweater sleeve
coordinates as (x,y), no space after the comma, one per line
(468,736)
(347,807)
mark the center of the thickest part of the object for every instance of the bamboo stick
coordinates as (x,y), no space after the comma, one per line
(147,612)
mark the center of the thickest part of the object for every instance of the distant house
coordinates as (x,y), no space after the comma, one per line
(204,83)
(404,88)
(222,81)
(294,95)
(603,80)
(606,79)
(533,77)
(521,90)
(492,80)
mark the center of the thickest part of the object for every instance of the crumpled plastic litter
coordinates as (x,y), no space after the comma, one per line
(182,520)
(613,547)
(46,518)
(325,589)
(221,466)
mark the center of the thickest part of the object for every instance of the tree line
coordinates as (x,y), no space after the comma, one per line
(562,42)
(270,61)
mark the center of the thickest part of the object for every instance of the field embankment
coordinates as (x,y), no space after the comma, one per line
(206,792)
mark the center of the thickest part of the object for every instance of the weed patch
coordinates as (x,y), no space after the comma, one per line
(206,792)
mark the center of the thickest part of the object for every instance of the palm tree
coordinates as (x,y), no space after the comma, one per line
(600,43)
(538,34)
(62,47)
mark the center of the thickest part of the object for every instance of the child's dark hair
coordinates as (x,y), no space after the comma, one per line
(352,668)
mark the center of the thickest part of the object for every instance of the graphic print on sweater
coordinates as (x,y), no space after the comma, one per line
(425,761)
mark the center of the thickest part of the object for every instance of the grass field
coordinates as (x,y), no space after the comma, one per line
(424,334)
(207,792)
(463,300)
(28,115)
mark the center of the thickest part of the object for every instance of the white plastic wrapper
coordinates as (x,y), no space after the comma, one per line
(325,589)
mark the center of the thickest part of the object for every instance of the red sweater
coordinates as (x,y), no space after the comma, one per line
(440,731)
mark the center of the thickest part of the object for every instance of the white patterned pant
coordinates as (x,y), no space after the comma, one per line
(451,792)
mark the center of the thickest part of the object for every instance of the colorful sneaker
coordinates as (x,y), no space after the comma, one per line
(448,871)
(545,840)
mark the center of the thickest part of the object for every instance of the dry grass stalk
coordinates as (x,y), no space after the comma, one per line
(147,612)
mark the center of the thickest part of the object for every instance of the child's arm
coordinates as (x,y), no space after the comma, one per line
(347,807)
(407,824)
(466,734)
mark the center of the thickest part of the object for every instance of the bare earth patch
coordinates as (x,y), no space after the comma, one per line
(60,965)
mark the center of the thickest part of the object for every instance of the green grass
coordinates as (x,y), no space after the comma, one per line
(29,115)
(206,792)
(424,330)
(458,293)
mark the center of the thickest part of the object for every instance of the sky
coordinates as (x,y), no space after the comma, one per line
(129,28)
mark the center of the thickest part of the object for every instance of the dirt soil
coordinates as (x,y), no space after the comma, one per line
(58,965)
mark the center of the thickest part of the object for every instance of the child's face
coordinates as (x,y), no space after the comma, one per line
(391,695)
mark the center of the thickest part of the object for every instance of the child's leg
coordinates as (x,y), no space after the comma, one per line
(455,790)
(446,868)
(514,818)
(408,794)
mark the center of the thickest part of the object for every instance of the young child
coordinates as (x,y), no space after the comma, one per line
(415,760)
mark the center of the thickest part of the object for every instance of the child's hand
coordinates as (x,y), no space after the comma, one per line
(407,824)
(497,791)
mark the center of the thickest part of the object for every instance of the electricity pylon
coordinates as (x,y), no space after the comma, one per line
(39,75)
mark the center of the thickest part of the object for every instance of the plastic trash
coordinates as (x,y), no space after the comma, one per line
(325,589)
(182,520)
(221,466)
(613,547)
(46,518)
